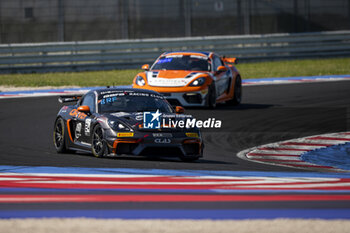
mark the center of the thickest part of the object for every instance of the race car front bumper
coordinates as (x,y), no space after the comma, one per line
(186,99)
(188,147)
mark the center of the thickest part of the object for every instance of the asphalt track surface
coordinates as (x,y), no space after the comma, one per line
(268,114)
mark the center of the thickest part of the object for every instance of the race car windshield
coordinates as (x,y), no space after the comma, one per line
(197,63)
(132,102)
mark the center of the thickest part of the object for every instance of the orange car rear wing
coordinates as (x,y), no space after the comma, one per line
(231,60)
(69,98)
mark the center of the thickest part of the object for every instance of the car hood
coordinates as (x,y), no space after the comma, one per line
(129,118)
(172,73)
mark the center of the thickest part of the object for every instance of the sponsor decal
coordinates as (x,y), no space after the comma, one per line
(110,98)
(192,135)
(120,114)
(174,56)
(125,134)
(162,140)
(176,82)
(77,114)
(64,109)
(74,113)
(173,82)
(162,135)
(87,127)
(199,57)
(164,60)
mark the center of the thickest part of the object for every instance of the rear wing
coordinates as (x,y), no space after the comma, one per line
(230,60)
(69,98)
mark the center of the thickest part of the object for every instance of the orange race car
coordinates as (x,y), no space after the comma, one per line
(192,79)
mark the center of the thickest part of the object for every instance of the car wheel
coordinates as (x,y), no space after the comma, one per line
(237,95)
(59,136)
(98,144)
(211,97)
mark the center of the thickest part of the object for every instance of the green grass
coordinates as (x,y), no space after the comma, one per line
(83,79)
(292,68)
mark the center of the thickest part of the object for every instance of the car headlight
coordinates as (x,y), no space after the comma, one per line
(116,125)
(198,82)
(140,81)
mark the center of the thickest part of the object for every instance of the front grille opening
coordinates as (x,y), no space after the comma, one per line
(165,94)
(161,151)
(174,102)
(191,148)
(193,98)
(125,148)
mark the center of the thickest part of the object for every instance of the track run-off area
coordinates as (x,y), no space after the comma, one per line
(274,130)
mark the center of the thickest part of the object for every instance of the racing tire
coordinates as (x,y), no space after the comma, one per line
(59,136)
(211,97)
(237,95)
(98,143)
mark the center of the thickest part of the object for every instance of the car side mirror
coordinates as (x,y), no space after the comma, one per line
(221,69)
(84,109)
(145,67)
(179,109)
